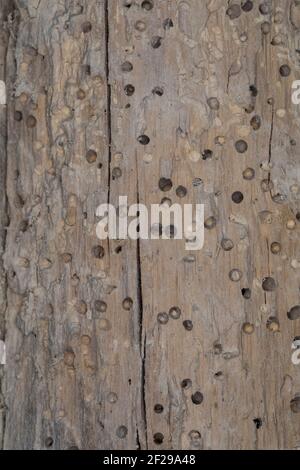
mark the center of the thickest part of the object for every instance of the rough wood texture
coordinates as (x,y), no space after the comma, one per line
(90,362)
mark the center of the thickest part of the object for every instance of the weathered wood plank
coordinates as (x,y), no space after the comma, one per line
(90,362)
(70,344)
(195,52)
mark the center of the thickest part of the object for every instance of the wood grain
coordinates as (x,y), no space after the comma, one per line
(91,361)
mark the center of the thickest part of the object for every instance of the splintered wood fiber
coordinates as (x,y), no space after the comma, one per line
(142,344)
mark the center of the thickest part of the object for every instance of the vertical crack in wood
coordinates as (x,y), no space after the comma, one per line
(141,339)
(108,85)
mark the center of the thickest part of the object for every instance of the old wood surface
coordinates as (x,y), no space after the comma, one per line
(91,362)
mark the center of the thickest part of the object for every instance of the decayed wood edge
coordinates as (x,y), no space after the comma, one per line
(5,19)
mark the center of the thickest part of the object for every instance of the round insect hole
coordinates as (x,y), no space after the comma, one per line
(158,408)
(175,313)
(168,23)
(91,156)
(86,27)
(122,432)
(100,306)
(247,5)
(246,293)
(249,174)
(295,404)
(163,318)
(156,42)
(285,70)
(165,184)
(127,303)
(18,116)
(49,442)
(116,173)
(258,423)
(181,191)
(98,252)
(268,284)
(158,438)
(227,244)
(127,67)
(197,398)
(294,313)
(275,248)
(186,384)
(213,103)
(255,123)
(237,197)
(129,90)
(241,146)
(234,11)
(158,91)
(235,275)
(210,223)
(143,139)
(188,325)
(31,122)
(207,154)
(248,328)
(147,5)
